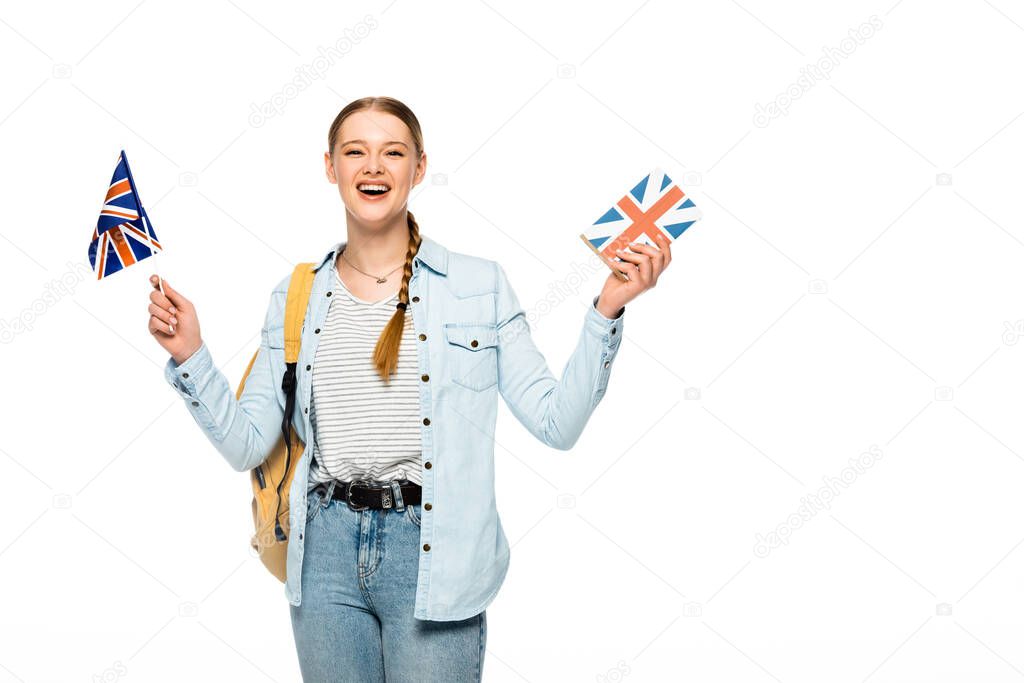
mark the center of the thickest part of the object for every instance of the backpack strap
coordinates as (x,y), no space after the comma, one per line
(299,288)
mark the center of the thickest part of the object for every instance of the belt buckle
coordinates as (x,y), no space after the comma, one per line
(348,494)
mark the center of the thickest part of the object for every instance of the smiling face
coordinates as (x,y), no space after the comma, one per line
(374,151)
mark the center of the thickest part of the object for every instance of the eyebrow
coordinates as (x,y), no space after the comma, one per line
(389,142)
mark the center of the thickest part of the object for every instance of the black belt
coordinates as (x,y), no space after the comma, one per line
(361,494)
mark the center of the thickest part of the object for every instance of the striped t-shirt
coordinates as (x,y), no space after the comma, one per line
(363,428)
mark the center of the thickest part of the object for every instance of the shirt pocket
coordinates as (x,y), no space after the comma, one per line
(275,344)
(472,354)
(275,337)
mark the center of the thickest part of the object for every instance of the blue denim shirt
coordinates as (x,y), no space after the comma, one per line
(473,343)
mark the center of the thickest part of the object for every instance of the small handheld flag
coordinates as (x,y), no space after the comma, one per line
(123,234)
(654,206)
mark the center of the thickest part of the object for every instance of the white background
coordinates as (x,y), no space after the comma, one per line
(855,283)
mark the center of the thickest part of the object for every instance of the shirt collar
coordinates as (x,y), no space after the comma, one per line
(431,253)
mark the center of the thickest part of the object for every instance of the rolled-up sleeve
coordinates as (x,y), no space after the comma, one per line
(610,331)
(188,379)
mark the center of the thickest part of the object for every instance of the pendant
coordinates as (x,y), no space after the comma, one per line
(381,279)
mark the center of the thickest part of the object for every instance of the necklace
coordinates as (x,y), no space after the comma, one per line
(380,278)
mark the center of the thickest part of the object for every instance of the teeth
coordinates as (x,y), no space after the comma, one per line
(364,186)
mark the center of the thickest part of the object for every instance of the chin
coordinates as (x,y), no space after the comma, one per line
(372,213)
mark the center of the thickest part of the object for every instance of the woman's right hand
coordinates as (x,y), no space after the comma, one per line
(169,308)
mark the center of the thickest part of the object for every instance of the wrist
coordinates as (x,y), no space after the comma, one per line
(608,311)
(181,358)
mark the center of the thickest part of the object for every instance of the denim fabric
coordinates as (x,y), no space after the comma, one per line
(356,619)
(474,343)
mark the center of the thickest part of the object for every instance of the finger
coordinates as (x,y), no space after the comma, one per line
(641,248)
(163,315)
(171,293)
(162,301)
(643,264)
(158,297)
(646,266)
(624,267)
(666,248)
(657,258)
(630,256)
(651,250)
(642,261)
(158,326)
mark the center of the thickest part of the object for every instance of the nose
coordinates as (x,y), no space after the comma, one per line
(373,164)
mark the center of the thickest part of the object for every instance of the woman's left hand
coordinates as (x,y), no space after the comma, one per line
(642,268)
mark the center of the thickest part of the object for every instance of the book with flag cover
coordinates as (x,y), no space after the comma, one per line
(123,235)
(655,205)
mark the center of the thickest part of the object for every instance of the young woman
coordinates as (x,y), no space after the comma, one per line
(396,547)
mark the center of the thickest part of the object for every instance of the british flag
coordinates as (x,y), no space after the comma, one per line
(655,206)
(123,234)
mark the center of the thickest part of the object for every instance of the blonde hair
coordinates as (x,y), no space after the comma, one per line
(385,354)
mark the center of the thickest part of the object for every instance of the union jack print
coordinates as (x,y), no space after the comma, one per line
(123,235)
(654,206)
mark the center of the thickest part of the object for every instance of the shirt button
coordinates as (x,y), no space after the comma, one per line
(308,367)
(423,337)
(316,331)
(425,377)
(426,420)
(185,375)
(307,410)
(613,330)
(415,299)
(607,363)
(195,403)
(474,343)
(427,465)
(426,546)
(427,506)
(328,293)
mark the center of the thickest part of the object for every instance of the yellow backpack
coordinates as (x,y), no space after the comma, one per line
(271,480)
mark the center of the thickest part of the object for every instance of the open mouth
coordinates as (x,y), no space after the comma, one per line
(373,189)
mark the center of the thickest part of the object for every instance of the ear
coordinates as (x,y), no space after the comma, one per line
(421,170)
(329,168)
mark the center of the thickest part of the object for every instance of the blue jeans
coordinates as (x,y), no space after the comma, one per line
(356,620)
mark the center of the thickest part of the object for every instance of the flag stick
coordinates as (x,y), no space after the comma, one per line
(145,223)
